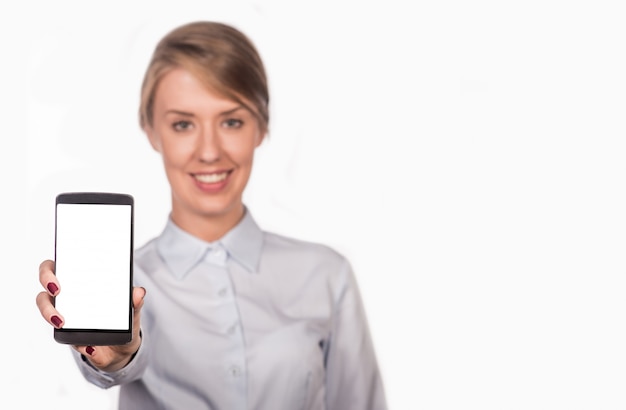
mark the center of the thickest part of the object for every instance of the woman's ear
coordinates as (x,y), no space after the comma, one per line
(154,139)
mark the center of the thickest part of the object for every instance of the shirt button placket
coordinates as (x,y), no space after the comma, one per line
(235,365)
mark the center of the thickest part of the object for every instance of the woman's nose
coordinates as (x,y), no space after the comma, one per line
(209,147)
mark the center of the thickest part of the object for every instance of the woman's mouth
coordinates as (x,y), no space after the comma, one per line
(213,178)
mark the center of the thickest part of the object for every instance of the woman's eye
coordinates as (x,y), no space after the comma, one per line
(233,123)
(182,125)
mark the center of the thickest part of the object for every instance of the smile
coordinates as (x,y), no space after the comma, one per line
(211,178)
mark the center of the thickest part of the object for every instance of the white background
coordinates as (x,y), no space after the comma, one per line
(467,156)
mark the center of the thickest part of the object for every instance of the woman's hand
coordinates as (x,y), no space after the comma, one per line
(106,358)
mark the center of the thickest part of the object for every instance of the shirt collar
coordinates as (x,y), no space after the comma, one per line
(182,251)
(244,242)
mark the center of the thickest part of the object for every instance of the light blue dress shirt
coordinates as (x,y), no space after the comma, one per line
(254,320)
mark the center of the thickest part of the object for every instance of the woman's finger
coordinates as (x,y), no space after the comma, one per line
(47,278)
(48,311)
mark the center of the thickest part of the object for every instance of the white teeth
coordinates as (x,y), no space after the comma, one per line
(211,178)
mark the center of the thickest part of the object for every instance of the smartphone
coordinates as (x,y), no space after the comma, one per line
(93,256)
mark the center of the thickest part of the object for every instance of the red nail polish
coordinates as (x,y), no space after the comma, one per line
(56,321)
(52,288)
(89,350)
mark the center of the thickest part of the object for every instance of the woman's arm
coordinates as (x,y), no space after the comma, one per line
(353,378)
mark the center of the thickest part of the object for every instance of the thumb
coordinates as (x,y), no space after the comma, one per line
(138,294)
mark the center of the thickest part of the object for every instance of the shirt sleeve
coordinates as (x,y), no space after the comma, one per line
(131,372)
(353,378)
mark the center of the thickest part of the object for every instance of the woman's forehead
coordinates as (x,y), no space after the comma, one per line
(179,87)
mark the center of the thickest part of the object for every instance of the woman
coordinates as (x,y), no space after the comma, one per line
(227,316)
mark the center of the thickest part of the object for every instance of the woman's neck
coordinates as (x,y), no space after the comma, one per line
(208,227)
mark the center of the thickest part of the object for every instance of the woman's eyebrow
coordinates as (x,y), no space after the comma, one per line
(237,108)
(178,112)
(188,114)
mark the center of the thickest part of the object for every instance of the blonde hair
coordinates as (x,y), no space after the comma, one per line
(220,56)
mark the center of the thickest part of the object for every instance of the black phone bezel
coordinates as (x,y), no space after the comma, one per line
(98,337)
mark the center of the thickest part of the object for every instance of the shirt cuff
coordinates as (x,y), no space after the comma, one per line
(132,371)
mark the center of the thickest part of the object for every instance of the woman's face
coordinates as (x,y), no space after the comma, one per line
(207,143)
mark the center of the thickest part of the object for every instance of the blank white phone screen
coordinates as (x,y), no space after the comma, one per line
(93,256)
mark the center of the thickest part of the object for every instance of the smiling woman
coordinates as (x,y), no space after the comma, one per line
(231,316)
(207,143)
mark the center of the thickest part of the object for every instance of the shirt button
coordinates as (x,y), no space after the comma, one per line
(219,254)
(231,329)
(234,371)
(222,292)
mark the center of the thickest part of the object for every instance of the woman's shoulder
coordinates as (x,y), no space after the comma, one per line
(302,249)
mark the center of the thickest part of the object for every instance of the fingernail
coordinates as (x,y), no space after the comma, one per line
(89,350)
(52,288)
(56,321)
